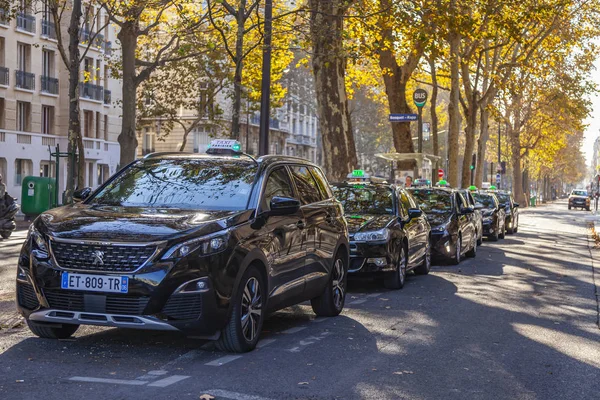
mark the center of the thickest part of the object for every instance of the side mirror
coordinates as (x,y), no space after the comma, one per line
(82,194)
(516,204)
(414,213)
(284,206)
(467,210)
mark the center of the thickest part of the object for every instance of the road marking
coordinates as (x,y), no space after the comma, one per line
(168,381)
(374,295)
(264,342)
(187,356)
(157,372)
(223,360)
(308,341)
(134,382)
(294,330)
(234,396)
(358,301)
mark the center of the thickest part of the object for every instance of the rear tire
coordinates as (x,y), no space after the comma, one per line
(242,331)
(395,280)
(331,302)
(425,266)
(473,252)
(502,233)
(5,234)
(52,331)
(569,206)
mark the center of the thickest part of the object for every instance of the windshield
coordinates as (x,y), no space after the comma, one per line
(205,184)
(503,198)
(361,199)
(433,201)
(485,200)
(579,193)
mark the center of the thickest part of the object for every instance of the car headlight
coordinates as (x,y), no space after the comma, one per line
(36,238)
(207,245)
(372,236)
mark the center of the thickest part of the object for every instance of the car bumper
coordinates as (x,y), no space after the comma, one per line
(370,258)
(442,244)
(151,302)
(579,204)
(489,228)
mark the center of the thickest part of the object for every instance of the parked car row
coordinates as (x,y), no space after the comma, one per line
(210,244)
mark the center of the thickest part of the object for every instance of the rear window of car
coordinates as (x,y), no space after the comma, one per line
(363,199)
(433,201)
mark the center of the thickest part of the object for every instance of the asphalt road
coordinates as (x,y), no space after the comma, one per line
(518,322)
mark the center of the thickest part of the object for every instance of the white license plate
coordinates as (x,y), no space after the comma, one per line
(95,283)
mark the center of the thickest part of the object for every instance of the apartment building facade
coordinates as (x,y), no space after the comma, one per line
(293,127)
(34,103)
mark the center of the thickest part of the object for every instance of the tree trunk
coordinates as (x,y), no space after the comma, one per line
(395,89)
(515,143)
(237,78)
(326,27)
(74,137)
(481,145)
(127,138)
(471,115)
(453,110)
(433,110)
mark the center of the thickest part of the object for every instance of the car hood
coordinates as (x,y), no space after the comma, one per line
(436,220)
(362,223)
(137,224)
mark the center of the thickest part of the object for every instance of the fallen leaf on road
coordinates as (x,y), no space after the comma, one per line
(302,383)
(398,373)
(19,381)
(382,299)
(408,372)
(388,307)
(207,397)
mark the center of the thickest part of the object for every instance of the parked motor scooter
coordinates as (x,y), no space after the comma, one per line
(8,210)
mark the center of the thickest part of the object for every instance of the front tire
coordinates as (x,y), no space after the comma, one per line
(425,266)
(502,233)
(5,234)
(52,331)
(331,302)
(473,252)
(396,279)
(242,331)
(457,252)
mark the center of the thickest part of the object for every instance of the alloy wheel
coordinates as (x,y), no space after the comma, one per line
(338,283)
(251,309)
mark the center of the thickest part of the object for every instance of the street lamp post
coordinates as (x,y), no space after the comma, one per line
(265,94)
(499,154)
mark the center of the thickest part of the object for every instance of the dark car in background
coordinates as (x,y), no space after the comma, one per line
(453,231)
(579,198)
(389,235)
(477,217)
(511,207)
(207,245)
(494,216)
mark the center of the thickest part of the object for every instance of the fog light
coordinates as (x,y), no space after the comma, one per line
(380,262)
(21,275)
(492,230)
(195,286)
(447,246)
(201,285)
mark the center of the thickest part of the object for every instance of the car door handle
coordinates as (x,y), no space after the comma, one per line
(300,225)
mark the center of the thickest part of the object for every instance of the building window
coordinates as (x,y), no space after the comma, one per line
(3,168)
(48,120)
(23,56)
(2,113)
(23,116)
(22,169)
(47,169)
(90,181)
(106,127)
(103,173)
(201,139)
(97,133)
(48,63)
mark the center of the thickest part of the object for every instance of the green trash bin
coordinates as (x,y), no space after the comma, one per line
(532,201)
(37,195)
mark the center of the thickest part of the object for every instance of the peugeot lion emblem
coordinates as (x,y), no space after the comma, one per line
(98,258)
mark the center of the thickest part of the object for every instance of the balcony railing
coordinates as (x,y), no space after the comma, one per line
(273,123)
(4,77)
(26,22)
(90,91)
(86,35)
(49,85)
(48,29)
(107,96)
(25,80)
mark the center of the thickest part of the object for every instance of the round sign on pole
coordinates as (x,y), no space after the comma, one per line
(420,97)
(440,173)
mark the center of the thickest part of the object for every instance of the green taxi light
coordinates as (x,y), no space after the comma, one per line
(442,182)
(358,173)
(358,186)
(472,167)
(492,187)
(473,188)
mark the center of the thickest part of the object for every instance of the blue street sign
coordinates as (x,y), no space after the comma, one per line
(497,177)
(403,117)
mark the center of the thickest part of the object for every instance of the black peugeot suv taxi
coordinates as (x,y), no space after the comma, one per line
(205,244)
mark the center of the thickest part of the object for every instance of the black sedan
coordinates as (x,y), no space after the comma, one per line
(477,215)
(452,226)
(389,235)
(494,216)
(512,210)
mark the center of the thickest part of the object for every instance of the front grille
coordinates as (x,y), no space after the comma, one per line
(26,296)
(110,304)
(115,258)
(184,306)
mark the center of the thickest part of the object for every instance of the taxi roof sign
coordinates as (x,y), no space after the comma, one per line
(492,187)
(358,173)
(224,146)
(473,188)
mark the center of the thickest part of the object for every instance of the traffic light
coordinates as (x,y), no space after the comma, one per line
(474,161)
